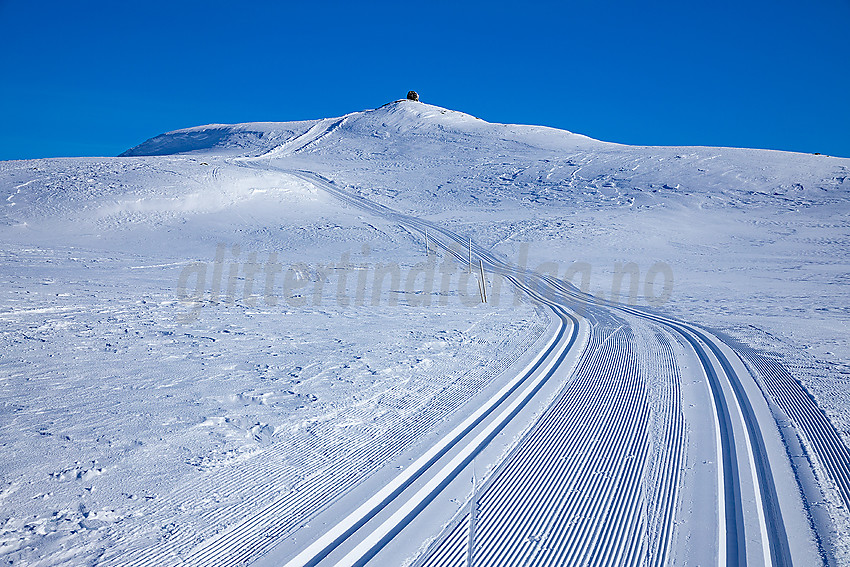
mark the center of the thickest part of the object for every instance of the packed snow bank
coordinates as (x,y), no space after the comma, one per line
(250,138)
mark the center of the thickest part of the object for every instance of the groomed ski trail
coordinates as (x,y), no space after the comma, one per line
(741,452)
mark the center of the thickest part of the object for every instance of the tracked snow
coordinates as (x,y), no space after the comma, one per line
(267,343)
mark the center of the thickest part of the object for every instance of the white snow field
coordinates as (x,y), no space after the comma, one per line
(266,344)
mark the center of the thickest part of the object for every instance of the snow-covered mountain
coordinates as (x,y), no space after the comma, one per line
(222,344)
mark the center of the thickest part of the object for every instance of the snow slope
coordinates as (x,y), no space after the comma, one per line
(165,402)
(235,139)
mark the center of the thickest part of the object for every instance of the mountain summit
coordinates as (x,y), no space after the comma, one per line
(399,117)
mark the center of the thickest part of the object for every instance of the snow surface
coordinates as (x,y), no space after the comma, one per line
(144,415)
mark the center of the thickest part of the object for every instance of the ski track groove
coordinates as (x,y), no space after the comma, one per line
(543,489)
(792,398)
(453,552)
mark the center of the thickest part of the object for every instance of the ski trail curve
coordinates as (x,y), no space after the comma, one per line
(608,526)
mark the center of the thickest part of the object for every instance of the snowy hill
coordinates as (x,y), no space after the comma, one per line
(223,343)
(400,119)
(516,163)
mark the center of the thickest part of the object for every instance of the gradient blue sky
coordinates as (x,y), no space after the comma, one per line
(94,78)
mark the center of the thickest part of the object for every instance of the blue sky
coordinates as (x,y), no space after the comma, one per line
(94,78)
